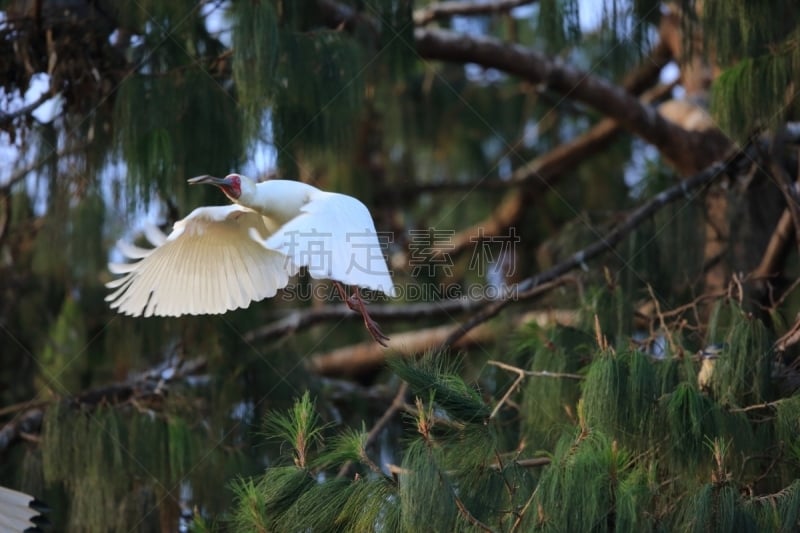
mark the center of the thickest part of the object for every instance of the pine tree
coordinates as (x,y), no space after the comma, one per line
(573,241)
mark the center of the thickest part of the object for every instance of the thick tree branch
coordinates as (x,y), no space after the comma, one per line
(538,176)
(777,248)
(545,171)
(690,151)
(438,10)
(530,285)
(344,360)
(303,319)
(364,358)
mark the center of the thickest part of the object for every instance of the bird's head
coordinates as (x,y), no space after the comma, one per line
(231,184)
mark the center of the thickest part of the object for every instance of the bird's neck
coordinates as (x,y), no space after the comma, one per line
(280,200)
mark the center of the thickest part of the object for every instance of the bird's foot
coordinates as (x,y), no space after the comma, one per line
(356,303)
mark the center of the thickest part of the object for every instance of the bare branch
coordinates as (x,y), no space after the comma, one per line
(529,286)
(765,405)
(144,385)
(21,173)
(538,176)
(396,406)
(777,249)
(298,320)
(353,361)
(534,373)
(6,118)
(363,356)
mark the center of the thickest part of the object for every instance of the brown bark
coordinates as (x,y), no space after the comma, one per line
(689,151)
(364,358)
(540,175)
(439,10)
(777,248)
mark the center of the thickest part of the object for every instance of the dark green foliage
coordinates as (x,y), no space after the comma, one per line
(666,253)
(180,124)
(592,485)
(742,372)
(559,23)
(262,504)
(757,44)
(317,116)
(616,437)
(63,359)
(256,61)
(620,394)
(779,512)
(426,494)
(435,377)
(718,508)
(372,505)
(149,458)
(762,79)
(550,405)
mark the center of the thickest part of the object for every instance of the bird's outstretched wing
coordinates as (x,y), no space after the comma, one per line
(209,264)
(334,238)
(20,512)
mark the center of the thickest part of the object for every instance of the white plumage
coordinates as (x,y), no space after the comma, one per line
(222,258)
(19,512)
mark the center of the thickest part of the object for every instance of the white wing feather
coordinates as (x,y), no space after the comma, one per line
(334,238)
(209,264)
(17,510)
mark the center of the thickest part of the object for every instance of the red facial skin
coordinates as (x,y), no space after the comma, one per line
(232,186)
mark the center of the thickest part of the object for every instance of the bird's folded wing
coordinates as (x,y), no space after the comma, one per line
(19,512)
(209,264)
(334,237)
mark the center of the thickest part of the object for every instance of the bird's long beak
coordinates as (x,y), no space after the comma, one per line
(210,180)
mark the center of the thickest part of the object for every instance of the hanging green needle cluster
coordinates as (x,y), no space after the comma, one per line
(759,45)
(83,447)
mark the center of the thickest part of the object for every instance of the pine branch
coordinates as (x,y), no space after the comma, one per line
(138,387)
(521,375)
(395,407)
(302,319)
(465,512)
(765,405)
(541,174)
(528,287)
(356,360)
(439,10)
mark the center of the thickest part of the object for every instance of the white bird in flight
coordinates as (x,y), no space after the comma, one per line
(221,258)
(20,512)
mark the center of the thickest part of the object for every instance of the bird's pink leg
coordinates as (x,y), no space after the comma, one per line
(357,304)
